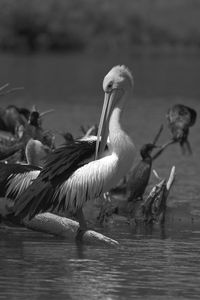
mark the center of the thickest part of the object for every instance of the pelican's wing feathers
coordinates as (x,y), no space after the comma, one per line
(61,163)
(59,166)
(15,178)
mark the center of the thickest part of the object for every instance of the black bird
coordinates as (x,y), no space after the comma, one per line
(7,151)
(139,175)
(68,137)
(180,118)
(126,180)
(11,118)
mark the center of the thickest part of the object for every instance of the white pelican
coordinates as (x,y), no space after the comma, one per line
(36,153)
(68,180)
(15,178)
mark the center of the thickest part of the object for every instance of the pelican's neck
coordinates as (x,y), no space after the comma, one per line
(115,128)
(121,146)
(31,157)
(120,142)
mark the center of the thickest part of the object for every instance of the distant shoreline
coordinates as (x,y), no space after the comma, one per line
(99,25)
(148,50)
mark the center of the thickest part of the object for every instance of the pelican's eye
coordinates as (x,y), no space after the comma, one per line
(109,86)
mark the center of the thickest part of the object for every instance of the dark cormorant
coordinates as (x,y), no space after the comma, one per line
(7,151)
(180,118)
(139,176)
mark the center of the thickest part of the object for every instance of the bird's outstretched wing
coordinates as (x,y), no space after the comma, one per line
(181,114)
(180,118)
(60,165)
(15,178)
(193,115)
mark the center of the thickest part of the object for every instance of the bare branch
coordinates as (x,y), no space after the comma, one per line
(4,93)
(4,86)
(162,148)
(158,134)
(171,178)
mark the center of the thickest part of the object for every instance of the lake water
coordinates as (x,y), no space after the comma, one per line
(156,263)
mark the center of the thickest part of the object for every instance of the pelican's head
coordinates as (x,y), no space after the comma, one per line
(118,78)
(116,85)
(36,152)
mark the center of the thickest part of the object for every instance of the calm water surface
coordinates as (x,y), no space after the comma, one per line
(159,263)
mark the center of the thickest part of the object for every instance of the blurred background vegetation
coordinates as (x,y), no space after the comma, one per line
(90,25)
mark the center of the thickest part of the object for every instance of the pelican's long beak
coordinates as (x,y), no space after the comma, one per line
(110,100)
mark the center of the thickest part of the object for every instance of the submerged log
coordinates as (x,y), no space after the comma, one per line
(150,210)
(55,225)
(67,228)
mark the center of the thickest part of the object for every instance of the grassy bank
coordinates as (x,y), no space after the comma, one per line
(77,25)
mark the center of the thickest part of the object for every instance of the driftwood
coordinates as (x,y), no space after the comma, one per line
(55,225)
(67,228)
(149,211)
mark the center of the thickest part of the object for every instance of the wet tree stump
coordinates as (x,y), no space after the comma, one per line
(153,209)
(149,210)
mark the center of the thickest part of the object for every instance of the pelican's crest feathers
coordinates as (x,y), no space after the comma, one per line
(121,71)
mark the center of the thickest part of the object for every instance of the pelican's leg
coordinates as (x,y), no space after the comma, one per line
(82,224)
(81,219)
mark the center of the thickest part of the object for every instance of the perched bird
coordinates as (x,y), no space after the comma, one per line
(11,118)
(36,153)
(35,117)
(121,187)
(138,178)
(7,151)
(33,128)
(68,137)
(68,180)
(15,178)
(180,118)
